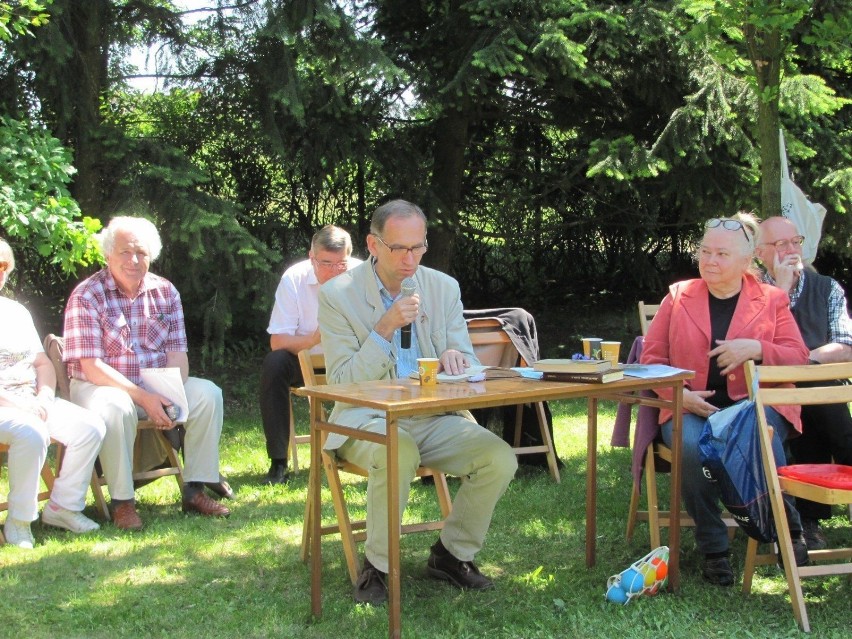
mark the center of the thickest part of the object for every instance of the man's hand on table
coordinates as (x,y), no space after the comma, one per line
(453,362)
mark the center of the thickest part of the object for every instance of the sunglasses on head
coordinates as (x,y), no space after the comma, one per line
(728,225)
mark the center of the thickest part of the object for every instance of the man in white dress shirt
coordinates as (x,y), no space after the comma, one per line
(293,328)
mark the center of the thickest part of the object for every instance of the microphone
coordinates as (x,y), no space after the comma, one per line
(408,288)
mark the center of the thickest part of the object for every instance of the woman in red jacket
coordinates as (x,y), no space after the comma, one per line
(712,326)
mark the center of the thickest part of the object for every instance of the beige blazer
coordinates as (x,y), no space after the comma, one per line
(350,306)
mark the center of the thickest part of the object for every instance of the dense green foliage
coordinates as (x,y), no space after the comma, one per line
(17,16)
(561,148)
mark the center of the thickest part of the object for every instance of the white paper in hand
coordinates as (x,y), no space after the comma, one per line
(168,383)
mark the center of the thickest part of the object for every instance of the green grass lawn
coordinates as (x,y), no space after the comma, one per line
(185,576)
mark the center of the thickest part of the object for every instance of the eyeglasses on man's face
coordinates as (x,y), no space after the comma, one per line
(329,266)
(793,242)
(417,250)
(728,225)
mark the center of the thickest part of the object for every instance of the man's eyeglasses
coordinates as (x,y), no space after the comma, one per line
(4,266)
(780,245)
(340,266)
(418,250)
(728,225)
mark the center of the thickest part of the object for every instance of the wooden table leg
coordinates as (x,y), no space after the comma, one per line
(591,480)
(315,495)
(394,590)
(674,507)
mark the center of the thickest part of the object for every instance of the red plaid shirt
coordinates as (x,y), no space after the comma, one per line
(128,334)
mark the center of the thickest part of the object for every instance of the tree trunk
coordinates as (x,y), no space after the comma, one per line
(765,52)
(86,25)
(442,201)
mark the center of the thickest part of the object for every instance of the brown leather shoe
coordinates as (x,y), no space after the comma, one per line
(125,517)
(204,505)
(462,574)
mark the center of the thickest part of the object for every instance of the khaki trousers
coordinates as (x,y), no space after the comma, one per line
(449,443)
(121,415)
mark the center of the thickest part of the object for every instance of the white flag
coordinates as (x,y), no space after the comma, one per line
(797,208)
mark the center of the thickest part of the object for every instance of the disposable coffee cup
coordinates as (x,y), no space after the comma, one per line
(427,368)
(609,350)
(592,347)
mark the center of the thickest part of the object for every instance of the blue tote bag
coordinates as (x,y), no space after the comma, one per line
(729,448)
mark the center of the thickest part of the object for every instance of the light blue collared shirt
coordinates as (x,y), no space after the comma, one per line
(406,358)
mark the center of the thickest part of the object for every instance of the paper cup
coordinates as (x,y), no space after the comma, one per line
(427,367)
(609,350)
(592,347)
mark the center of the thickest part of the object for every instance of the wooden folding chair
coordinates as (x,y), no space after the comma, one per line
(658,459)
(295,439)
(823,483)
(351,532)
(646,314)
(54,347)
(659,455)
(492,347)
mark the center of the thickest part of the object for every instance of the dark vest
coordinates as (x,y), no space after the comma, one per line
(811,310)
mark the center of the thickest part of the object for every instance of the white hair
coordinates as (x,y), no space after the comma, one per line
(143,229)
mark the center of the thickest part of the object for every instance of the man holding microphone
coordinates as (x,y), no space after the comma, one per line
(362,315)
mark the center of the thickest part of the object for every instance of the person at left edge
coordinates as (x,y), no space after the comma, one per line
(30,415)
(292,328)
(120,320)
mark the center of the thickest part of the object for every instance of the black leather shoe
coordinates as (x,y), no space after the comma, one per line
(800,552)
(814,539)
(718,571)
(462,574)
(371,586)
(221,488)
(277,474)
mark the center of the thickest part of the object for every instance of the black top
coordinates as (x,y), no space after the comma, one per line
(721,313)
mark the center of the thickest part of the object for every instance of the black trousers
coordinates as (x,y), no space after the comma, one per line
(826,436)
(279,372)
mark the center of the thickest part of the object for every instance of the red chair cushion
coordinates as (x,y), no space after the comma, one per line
(826,475)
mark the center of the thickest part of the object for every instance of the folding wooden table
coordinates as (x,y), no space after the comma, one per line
(406,398)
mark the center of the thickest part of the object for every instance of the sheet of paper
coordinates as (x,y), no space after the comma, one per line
(473,371)
(644,371)
(168,383)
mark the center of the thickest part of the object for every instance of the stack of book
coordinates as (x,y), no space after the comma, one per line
(585,371)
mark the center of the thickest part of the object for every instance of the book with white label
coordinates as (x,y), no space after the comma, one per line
(602,377)
(168,383)
(572,365)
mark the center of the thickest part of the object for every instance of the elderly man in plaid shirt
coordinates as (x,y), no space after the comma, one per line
(818,303)
(118,321)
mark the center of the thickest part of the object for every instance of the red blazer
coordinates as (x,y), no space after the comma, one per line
(679,335)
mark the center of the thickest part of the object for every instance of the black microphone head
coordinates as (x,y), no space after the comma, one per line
(409,287)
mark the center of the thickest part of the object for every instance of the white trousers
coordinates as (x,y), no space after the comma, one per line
(449,443)
(201,444)
(28,437)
